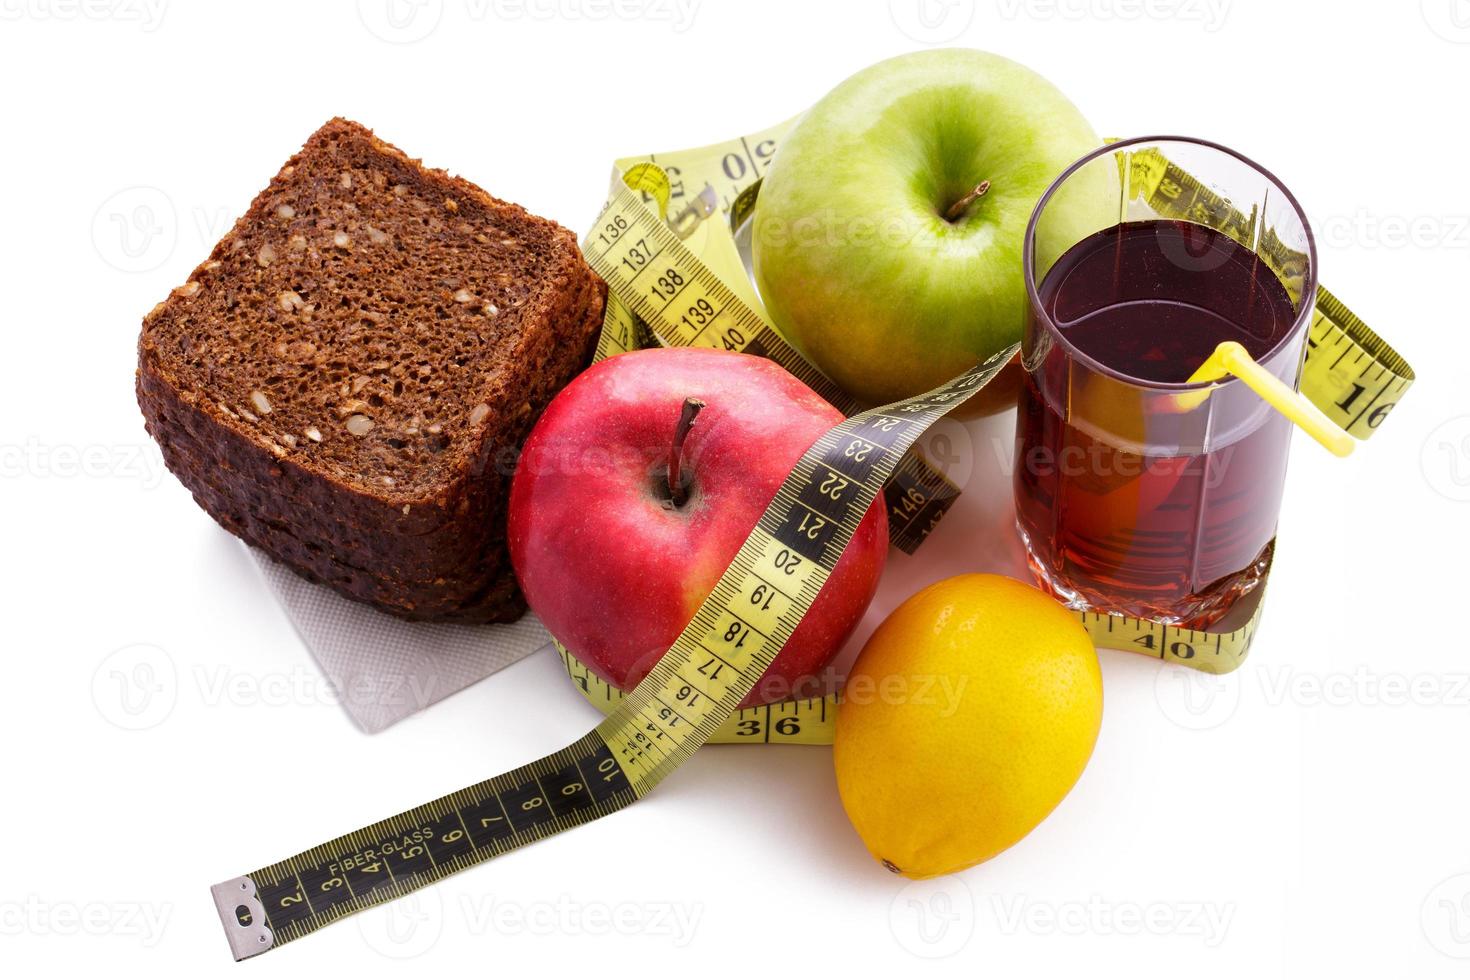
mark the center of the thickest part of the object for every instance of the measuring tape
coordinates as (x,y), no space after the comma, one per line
(1350,373)
(662,292)
(805,721)
(666,244)
(685,284)
(688,695)
(676,278)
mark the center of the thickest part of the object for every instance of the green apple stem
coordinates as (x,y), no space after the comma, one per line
(957,209)
(676,451)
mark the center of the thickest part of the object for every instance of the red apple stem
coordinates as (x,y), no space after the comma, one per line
(958,207)
(676,451)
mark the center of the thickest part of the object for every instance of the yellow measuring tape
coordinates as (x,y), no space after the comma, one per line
(688,206)
(807,721)
(1351,373)
(676,277)
(685,699)
(667,245)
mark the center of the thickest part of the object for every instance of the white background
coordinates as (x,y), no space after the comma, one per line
(1306,815)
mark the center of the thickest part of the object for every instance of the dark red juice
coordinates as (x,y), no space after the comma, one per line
(1138,499)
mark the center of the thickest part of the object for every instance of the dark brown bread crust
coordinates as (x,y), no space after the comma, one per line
(355,515)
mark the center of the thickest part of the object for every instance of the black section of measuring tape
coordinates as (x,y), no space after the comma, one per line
(917,499)
(815,512)
(404,852)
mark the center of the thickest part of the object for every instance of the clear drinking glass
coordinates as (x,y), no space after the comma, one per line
(1136,492)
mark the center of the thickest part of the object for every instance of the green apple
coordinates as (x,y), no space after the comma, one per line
(870,249)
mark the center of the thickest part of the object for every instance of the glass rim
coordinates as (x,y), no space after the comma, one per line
(1033,295)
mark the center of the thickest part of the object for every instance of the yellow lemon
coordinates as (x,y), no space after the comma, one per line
(968,716)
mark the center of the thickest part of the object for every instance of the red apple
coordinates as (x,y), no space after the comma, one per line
(615,563)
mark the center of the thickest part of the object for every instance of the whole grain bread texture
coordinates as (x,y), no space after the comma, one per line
(345,381)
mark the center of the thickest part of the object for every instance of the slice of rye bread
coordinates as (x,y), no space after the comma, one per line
(344,382)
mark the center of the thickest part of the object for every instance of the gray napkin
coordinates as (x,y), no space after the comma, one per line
(384,669)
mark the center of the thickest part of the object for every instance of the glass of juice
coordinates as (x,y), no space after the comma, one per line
(1138,493)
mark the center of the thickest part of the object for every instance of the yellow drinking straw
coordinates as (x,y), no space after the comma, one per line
(1231,358)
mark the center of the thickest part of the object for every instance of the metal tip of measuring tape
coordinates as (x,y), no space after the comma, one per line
(243,917)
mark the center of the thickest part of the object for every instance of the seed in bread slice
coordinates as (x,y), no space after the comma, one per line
(345,380)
